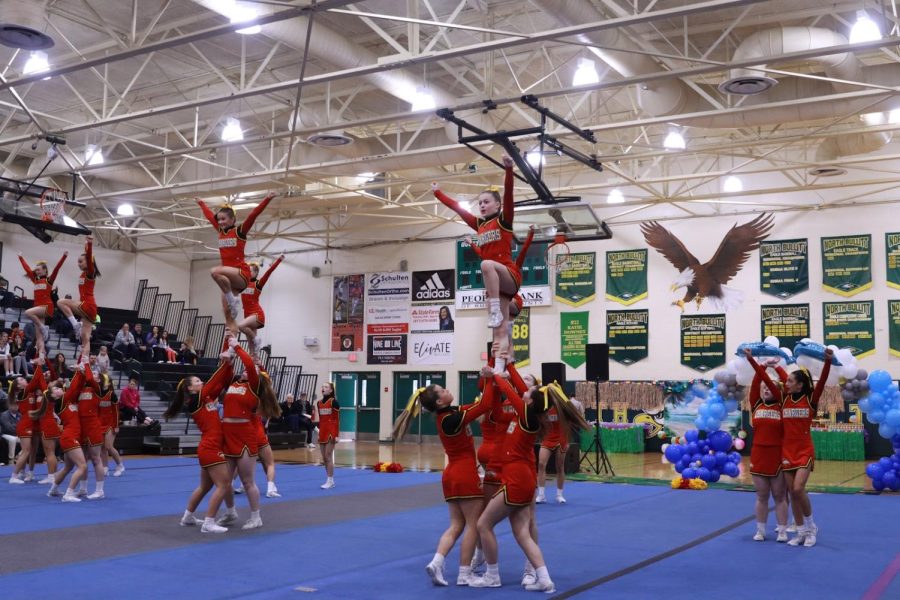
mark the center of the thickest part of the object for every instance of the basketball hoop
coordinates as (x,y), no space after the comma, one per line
(53,205)
(558,252)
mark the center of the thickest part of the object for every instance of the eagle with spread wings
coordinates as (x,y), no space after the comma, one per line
(707,281)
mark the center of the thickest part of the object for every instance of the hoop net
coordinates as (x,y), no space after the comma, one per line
(558,253)
(53,205)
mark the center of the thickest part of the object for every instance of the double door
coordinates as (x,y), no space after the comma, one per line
(359,395)
(405,384)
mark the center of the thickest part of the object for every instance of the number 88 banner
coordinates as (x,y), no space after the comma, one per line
(521,338)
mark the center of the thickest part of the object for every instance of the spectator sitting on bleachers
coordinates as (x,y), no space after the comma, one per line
(17,348)
(142,351)
(125,342)
(306,422)
(6,359)
(6,297)
(290,413)
(103,360)
(130,404)
(162,352)
(8,421)
(187,355)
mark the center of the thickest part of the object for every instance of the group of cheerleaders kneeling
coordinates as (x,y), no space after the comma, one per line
(782,455)
(516,410)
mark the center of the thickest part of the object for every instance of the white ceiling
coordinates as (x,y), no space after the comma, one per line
(151,82)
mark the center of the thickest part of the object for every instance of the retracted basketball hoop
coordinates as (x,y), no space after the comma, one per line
(558,252)
(53,205)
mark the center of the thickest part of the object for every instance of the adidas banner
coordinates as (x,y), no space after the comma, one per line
(433,286)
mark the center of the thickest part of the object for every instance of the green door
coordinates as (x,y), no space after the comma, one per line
(407,382)
(468,392)
(347,394)
(368,418)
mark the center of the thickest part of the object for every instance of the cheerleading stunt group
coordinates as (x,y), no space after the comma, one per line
(499,481)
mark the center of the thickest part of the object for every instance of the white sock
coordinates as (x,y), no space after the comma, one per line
(761,526)
(53,487)
(83,485)
(499,365)
(208,520)
(99,487)
(330,480)
(529,568)
(74,322)
(231,511)
(542,573)
(808,521)
(187,514)
(559,491)
(494,304)
(438,559)
(254,514)
(270,486)
(493,569)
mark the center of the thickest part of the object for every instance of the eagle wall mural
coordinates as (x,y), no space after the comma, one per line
(707,281)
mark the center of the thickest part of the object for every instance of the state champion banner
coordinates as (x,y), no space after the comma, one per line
(628,335)
(470,294)
(894,326)
(703,341)
(850,325)
(788,322)
(348,313)
(521,337)
(576,282)
(784,267)
(573,328)
(626,276)
(387,302)
(892,249)
(847,264)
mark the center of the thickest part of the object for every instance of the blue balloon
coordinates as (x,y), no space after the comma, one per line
(721,459)
(692,435)
(877,485)
(696,458)
(876,416)
(876,401)
(731,405)
(720,441)
(713,424)
(892,418)
(864,405)
(689,473)
(699,422)
(886,431)
(714,475)
(703,473)
(703,411)
(734,457)
(893,388)
(890,480)
(679,468)
(692,448)
(879,380)
(875,471)
(886,463)
(674,453)
(685,460)
(709,461)
(731,469)
(717,410)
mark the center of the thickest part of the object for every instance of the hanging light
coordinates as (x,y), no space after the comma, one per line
(232,131)
(366,177)
(37,63)
(423,99)
(894,116)
(732,184)
(864,30)
(535,158)
(125,210)
(238,13)
(586,73)
(93,155)
(615,197)
(674,141)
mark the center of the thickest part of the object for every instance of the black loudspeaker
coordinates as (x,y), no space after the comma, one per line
(596,366)
(551,372)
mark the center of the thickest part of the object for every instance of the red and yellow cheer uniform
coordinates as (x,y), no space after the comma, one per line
(797,414)
(86,282)
(765,418)
(204,409)
(460,478)
(250,296)
(328,412)
(43,286)
(89,412)
(70,438)
(240,403)
(233,240)
(519,470)
(28,403)
(555,438)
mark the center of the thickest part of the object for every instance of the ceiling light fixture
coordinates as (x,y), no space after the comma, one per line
(125,210)
(423,100)
(238,13)
(586,73)
(864,30)
(732,184)
(232,131)
(535,158)
(37,63)
(674,141)
(93,155)
(615,197)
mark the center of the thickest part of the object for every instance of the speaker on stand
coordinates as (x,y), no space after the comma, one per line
(597,371)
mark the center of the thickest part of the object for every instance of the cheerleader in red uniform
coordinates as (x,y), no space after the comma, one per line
(462,488)
(47,423)
(43,297)
(108,413)
(326,414)
(555,441)
(266,457)
(86,308)
(91,432)
(70,441)
(501,276)
(765,399)
(798,454)
(202,401)
(27,429)
(254,317)
(233,275)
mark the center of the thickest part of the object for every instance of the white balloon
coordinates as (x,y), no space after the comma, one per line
(834,348)
(806,340)
(772,341)
(733,365)
(849,372)
(833,377)
(788,351)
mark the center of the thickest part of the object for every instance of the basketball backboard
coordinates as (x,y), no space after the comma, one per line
(21,203)
(576,219)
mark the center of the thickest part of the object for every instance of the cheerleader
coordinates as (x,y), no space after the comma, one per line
(501,276)
(91,432)
(326,415)
(86,308)
(202,401)
(108,413)
(70,441)
(461,485)
(555,442)
(765,399)
(798,454)
(43,300)
(266,457)
(27,428)
(233,275)
(254,317)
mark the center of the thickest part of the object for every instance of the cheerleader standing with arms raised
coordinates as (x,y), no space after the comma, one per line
(86,308)
(765,453)
(254,317)
(326,414)
(798,454)
(43,297)
(70,441)
(495,237)
(233,275)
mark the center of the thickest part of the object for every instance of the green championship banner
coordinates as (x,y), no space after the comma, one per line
(703,341)
(573,328)
(576,281)
(784,267)
(892,248)
(626,276)
(521,337)
(788,322)
(894,326)
(850,325)
(847,264)
(628,335)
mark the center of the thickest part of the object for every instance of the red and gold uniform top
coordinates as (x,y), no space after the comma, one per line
(765,417)
(68,414)
(89,402)
(454,430)
(232,240)
(251,293)
(241,398)
(205,408)
(87,279)
(329,414)
(518,443)
(43,286)
(799,410)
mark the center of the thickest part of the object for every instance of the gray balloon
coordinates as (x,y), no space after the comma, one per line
(731,379)
(857,385)
(848,386)
(721,376)
(722,389)
(862,374)
(848,395)
(864,386)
